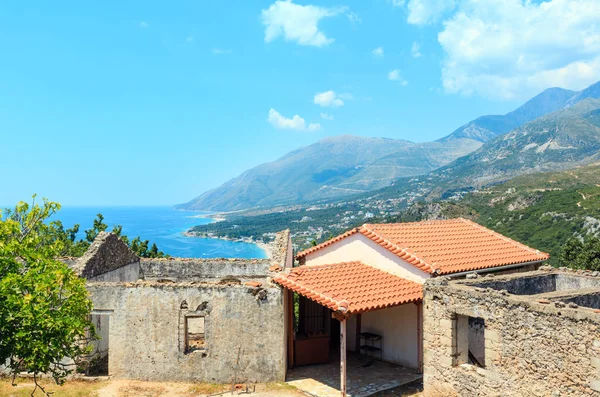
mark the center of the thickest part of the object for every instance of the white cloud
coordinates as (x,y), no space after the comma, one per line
(395,75)
(328,99)
(415,51)
(354,18)
(326,116)
(295,123)
(397,3)
(143,24)
(220,51)
(516,48)
(423,12)
(378,52)
(297,23)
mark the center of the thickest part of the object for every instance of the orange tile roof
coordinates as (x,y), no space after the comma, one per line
(444,247)
(351,285)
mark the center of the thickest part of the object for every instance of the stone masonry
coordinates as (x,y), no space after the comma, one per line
(146,307)
(147,331)
(537,341)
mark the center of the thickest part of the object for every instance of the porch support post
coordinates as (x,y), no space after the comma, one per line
(343,357)
(358,331)
(420,334)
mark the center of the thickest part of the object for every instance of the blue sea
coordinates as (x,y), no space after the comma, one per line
(163,226)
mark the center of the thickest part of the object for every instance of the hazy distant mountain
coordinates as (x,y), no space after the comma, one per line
(559,140)
(348,165)
(333,167)
(485,128)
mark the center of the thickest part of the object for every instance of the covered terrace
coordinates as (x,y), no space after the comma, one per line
(354,308)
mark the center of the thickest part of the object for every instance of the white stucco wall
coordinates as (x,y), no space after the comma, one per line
(398,326)
(360,248)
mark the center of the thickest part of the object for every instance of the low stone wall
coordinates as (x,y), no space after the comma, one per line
(185,269)
(533,346)
(244,331)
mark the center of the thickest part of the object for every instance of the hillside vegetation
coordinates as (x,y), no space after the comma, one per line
(542,210)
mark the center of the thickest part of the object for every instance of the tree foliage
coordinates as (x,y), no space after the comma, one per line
(579,254)
(44,305)
(73,247)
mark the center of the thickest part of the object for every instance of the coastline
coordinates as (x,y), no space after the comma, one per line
(265,247)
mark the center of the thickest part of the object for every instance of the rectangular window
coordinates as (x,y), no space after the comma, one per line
(469,341)
(194,333)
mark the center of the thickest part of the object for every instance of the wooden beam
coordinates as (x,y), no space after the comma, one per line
(343,357)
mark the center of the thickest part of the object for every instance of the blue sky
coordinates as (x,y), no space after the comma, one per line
(152,103)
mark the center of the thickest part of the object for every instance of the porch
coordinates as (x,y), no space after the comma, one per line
(365,377)
(354,329)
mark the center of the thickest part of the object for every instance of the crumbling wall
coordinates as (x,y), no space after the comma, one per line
(146,335)
(188,269)
(105,255)
(533,346)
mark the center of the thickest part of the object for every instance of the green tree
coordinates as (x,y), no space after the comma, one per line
(98,226)
(579,254)
(44,305)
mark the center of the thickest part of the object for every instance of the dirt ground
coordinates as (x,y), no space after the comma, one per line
(134,388)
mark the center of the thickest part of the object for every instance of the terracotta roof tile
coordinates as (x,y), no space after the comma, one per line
(444,247)
(353,285)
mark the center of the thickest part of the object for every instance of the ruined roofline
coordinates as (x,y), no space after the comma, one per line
(550,303)
(109,259)
(208,260)
(223,283)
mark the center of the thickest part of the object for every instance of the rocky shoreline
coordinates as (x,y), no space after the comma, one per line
(262,245)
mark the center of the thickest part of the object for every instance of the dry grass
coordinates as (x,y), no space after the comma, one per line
(141,391)
(207,388)
(72,388)
(133,388)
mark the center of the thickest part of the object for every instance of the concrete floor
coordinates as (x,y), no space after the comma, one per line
(365,377)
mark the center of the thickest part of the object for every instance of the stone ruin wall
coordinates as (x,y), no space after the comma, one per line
(147,331)
(533,346)
(142,305)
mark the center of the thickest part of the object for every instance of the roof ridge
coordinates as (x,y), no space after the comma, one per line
(328,242)
(503,237)
(403,249)
(324,265)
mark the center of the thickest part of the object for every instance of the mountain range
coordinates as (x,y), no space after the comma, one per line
(552,130)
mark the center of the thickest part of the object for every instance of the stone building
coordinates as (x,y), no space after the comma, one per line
(213,320)
(528,334)
(370,280)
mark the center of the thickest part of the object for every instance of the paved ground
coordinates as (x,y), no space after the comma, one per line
(365,377)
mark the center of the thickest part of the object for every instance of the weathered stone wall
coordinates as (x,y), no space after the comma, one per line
(127,273)
(533,346)
(187,269)
(146,335)
(107,253)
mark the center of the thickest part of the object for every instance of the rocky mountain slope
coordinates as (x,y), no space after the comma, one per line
(485,128)
(343,166)
(560,140)
(331,168)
